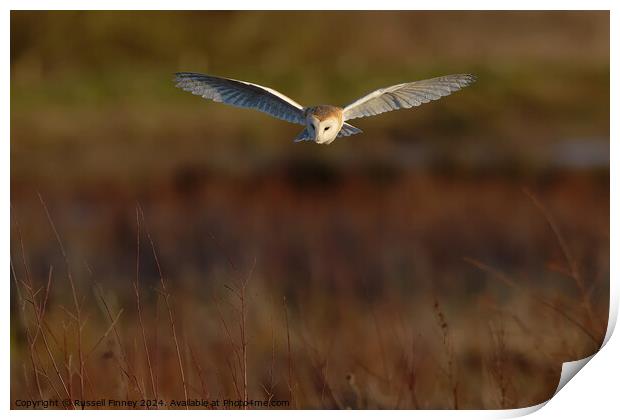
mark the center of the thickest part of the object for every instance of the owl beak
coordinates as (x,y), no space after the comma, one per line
(316,138)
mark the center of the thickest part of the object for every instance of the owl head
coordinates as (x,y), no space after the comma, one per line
(323,123)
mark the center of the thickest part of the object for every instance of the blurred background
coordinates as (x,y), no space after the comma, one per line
(453,255)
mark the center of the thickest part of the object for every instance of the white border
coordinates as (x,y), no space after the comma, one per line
(593,394)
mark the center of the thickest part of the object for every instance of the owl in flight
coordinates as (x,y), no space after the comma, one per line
(323,122)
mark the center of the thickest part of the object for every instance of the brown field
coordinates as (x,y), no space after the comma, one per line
(165,248)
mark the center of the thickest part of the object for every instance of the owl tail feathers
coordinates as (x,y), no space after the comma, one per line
(348,130)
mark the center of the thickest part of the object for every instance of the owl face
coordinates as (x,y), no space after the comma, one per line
(323,123)
(324,131)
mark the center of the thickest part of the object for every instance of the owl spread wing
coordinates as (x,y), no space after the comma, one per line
(242,94)
(406,95)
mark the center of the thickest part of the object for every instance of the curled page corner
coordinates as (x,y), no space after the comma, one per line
(570,369)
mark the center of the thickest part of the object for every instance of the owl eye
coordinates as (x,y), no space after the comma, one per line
(326,128)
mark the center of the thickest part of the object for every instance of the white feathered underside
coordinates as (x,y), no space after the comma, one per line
(242,94)
(406,95)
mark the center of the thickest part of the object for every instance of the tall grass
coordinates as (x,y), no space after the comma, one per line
(254,344)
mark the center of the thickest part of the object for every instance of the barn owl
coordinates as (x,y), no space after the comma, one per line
(323,123)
